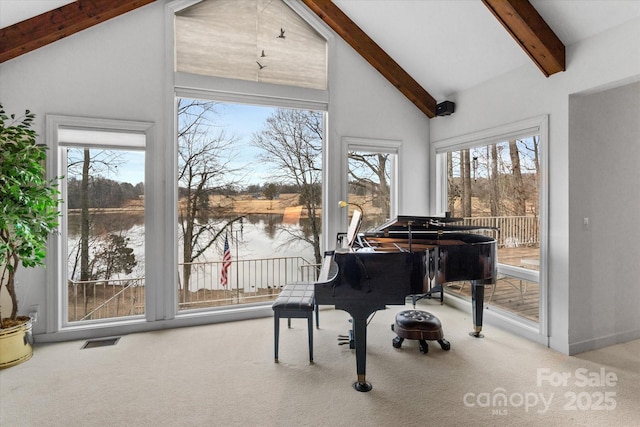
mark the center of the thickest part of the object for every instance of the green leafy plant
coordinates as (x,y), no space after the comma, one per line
(28,203)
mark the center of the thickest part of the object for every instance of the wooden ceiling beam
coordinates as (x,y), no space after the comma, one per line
(531,32)
(56,24)
(369,50)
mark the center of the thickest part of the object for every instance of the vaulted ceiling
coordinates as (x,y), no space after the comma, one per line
(429,49)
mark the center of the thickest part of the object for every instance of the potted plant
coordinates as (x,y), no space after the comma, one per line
(28,215)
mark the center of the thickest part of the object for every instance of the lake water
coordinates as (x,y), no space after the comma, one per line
(257,237)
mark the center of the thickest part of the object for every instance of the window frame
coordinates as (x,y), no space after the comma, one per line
(56,270)
(372,145)
(438,200)
(249,100)
(188,85)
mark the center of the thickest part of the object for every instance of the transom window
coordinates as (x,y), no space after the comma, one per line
(256,40)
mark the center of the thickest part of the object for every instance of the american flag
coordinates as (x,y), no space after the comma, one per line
(226,263)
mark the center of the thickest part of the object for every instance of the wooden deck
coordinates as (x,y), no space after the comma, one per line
(517,296)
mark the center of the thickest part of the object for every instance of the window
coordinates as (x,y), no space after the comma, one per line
(101,265)
(255,40)
(498,185)
(372,179)
(497,179)
(249,201)
(251,91)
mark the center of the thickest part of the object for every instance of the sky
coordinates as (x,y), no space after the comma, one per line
(133,172)
(242,121)
(239,120)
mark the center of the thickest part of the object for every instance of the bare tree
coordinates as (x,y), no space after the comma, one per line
(494,195)
(84,221)
(369,175)
(519,192)
(530,151)
(453,192)
(204,157)
(88,165)
(291,141)
(505,178)
(465,167)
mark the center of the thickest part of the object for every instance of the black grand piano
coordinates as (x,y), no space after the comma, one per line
(408,255)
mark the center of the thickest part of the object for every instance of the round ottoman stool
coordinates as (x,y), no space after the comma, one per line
(418,325)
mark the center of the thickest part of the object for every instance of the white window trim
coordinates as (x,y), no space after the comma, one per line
(350,143)
(536,125)
(225,90)
(55,272)
(221,89)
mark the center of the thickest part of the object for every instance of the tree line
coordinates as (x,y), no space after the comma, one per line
(107,193)
(102,192)
(503,178)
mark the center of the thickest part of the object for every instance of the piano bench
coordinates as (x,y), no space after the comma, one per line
(296,300)
(418,325)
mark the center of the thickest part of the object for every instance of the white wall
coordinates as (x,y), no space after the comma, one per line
(104,71)
(116,70)
(604,172)
(112,70)
(609,59)
(365,105)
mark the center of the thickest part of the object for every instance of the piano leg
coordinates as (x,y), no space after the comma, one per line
(477,306)
(360,335)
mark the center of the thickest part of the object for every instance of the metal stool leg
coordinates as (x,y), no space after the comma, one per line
(310,328)
(276,333)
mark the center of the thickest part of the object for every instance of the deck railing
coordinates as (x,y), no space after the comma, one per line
(248,281)
(100,299)
(514,231)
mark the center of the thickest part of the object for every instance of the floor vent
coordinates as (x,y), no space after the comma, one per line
(102,342)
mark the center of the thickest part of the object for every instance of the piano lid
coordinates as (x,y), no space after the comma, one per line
(426,223)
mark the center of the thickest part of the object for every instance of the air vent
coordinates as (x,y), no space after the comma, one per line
(102,342)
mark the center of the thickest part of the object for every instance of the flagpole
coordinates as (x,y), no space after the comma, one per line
(237,264)
(238,259)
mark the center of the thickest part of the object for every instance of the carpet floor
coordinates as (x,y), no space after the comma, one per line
(225,375)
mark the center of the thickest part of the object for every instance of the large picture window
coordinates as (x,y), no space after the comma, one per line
(497,181)
(249,201)
(251,100)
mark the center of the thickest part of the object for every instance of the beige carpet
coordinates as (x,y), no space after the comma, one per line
(224,375)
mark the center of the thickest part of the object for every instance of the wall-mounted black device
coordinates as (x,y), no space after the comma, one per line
(445,108)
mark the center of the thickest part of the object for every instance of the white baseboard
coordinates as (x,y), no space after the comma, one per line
(600,342)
